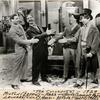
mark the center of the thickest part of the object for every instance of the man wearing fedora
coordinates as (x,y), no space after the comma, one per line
(69,49)
(88,42)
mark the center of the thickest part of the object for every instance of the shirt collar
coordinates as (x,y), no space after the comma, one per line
(88,24)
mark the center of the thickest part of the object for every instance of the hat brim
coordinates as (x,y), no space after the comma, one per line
(82,14)
(76,16)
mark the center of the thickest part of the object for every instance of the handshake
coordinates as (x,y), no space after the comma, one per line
(62,41)
(33,41)
(51,32)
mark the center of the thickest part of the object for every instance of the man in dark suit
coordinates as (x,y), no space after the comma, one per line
(40,51)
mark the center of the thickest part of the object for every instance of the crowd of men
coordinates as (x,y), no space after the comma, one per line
(80,42)
(81,45)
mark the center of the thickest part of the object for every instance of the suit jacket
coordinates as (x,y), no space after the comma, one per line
(68,33)
(41,47)
(20,62)
(17,34)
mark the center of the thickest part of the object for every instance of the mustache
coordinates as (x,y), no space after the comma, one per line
(30,20)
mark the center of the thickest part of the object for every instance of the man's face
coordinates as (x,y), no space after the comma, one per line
(83,20)
(16,20)
(30,20)
(72,19)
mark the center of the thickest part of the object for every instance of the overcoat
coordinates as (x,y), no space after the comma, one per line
(92,42)
(20,61)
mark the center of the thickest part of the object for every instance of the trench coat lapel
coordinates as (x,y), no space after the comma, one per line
(20,31)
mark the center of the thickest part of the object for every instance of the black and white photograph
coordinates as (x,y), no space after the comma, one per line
(50,45)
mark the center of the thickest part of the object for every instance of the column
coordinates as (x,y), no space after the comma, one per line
(85,3)
(13,6)
(44,13)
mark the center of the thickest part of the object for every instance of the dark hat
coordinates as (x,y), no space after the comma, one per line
(27,11)
(88,12)
(76,15)
(98,15)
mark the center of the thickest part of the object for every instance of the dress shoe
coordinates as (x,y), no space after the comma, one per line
(79,85)
(36,83)
(95,81)
(64,80)
(76,85)
(25,80)
(46,80)
(15,86)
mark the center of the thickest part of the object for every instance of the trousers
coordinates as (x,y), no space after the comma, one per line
(69,55)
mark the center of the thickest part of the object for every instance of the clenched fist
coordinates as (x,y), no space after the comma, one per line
(89,55)
(34,40)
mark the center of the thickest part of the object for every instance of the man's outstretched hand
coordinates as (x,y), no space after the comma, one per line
(51,32)
(62,41)
(34,40)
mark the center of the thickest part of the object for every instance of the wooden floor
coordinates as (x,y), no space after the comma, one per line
(5,62)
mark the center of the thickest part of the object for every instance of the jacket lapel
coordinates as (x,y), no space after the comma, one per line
(41,30)
(73,32)
(36,31)
(89,33)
